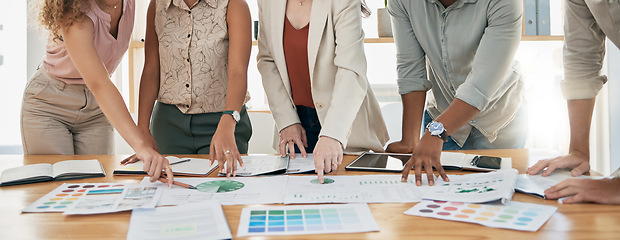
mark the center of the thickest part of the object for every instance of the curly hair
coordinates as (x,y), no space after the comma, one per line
(56,14)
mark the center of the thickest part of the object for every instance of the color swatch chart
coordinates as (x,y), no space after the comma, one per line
(307,219)
(67,195)
(515,215)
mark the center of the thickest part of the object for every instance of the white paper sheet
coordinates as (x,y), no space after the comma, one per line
(537,184)
(97,201)
(475,188)
(353,189)
(233,191)
(204,220)
(306,219)
(260,164)
(300,164)
(515,215)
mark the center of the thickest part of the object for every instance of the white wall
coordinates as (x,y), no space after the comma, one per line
(613,61)
(12,72)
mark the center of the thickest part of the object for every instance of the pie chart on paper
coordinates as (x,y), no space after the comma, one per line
(220,186)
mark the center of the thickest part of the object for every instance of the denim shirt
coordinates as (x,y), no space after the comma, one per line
(586,24)
(468,50)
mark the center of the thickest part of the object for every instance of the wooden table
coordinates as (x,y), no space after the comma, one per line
(578,221)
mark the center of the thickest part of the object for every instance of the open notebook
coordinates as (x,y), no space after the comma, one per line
(65,170)
(180,166)
(254,165)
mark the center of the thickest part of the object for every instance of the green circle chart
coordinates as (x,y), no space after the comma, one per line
(325,181)
(220,186)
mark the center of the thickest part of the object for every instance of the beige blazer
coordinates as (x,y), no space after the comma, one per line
(346,106)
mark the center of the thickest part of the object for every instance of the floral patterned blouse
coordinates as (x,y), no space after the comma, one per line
(193,54)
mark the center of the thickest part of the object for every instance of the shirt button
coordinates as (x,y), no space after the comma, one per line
(189,12)
(319,105)
(186,85)
(188,60)
(187,106)
(188,35)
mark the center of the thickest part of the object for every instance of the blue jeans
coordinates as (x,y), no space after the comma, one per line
(310,122)
(511,137)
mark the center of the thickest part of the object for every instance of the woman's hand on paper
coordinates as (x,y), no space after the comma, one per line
(426,154)
(289,137)
(578,162)
(224,148)
(154,164)
(327,156)
(576,190)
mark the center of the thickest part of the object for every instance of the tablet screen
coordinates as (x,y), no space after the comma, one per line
(380,162)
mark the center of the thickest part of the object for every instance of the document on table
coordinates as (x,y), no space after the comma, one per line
(515,215)
(254,165)
(353,189)
(537,184)
(306,219)
(475,188)
(203,220)
(300,164)
(97,201)
(229,191)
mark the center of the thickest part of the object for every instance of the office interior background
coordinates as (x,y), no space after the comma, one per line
(22,46)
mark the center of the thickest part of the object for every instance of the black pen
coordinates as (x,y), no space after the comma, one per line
(182,161)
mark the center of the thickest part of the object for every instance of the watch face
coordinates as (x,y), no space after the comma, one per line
(236,116)
(435,128)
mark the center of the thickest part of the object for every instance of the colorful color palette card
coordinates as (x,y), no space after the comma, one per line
(306,219)
(515,215)
(97,201)
(67,195)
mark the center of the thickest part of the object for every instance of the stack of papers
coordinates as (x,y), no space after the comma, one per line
(205,220)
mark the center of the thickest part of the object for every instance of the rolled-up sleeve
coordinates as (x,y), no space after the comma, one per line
(584,50)
(495,54)
(410,57)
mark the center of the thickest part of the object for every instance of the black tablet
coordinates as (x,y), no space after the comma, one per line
(382,162)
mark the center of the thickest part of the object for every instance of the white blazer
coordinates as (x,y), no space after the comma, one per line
(347,108)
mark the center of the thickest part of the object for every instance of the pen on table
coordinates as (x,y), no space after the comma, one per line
(180,184)
(182,161)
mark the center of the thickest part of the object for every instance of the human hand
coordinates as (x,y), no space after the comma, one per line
(291,135)
(224,149)
(426,154)
(154,164)
(603,191)
(327,156)
(579,164)
(399,147)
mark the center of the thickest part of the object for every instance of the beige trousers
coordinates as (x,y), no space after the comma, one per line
(60,118)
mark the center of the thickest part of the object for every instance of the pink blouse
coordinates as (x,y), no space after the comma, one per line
(111,50)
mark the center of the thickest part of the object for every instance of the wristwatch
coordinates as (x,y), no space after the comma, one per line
(235,115)
(436,129)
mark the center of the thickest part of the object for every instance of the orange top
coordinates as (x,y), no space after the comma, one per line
(295,43)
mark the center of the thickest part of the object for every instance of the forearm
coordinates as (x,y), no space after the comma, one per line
(149,89)
(236,91)
(413,107)
(457,115)
(580,118)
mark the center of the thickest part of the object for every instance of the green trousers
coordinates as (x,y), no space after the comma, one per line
(178,133)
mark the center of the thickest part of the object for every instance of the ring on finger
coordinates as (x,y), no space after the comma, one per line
(227,152)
